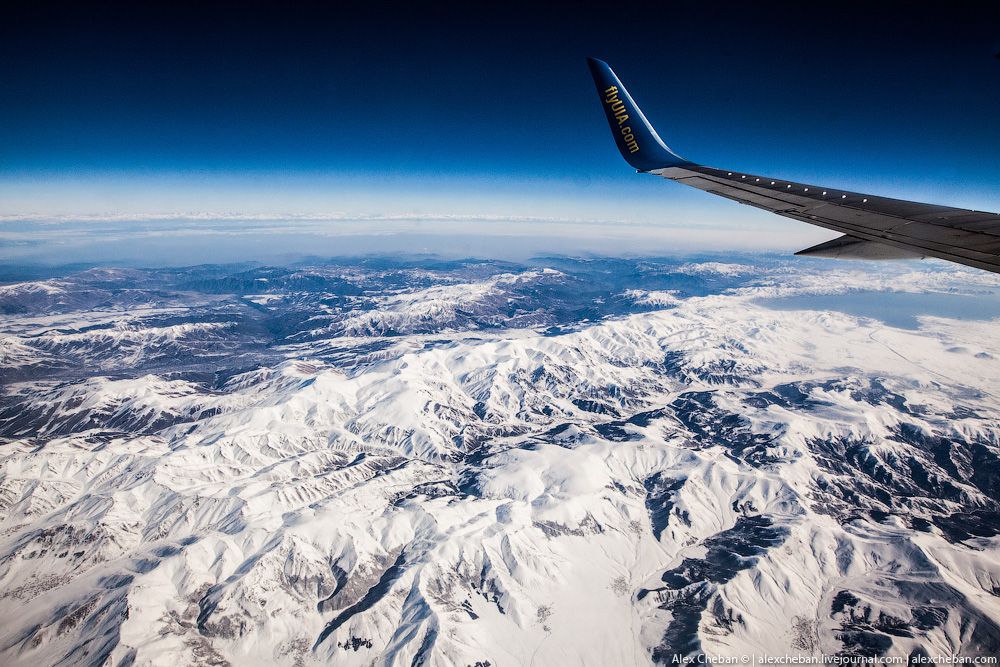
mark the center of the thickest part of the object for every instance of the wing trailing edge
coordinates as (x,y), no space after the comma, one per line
(851,247)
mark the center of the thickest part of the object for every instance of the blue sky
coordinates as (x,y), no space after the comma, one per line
(395,110)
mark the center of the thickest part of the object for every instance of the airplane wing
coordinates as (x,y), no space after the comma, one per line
(873,227)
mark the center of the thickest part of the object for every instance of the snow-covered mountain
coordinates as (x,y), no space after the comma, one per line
(575,462)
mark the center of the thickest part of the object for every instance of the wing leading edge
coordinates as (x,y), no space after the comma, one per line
(873,227)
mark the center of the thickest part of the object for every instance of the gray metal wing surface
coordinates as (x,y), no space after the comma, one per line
(874,227)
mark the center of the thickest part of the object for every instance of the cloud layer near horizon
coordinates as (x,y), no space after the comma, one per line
(171,239)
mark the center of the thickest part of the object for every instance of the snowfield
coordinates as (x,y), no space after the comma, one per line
(451,474)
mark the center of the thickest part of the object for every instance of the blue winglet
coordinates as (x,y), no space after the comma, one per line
(635,137)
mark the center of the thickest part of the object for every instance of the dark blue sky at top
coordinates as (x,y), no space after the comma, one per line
(499,91)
